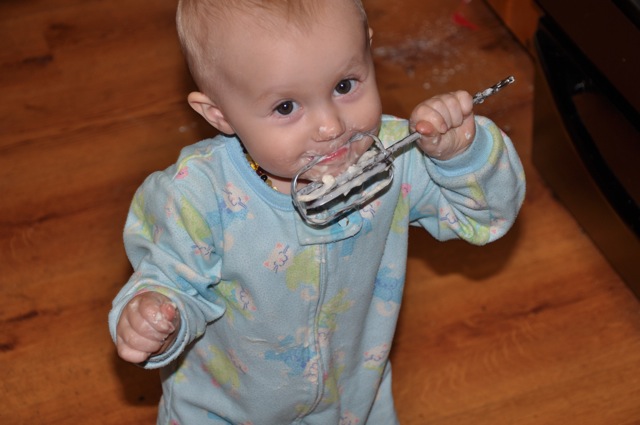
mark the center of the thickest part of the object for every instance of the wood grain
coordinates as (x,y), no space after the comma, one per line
(533,329)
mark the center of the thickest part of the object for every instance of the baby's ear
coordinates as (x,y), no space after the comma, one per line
(202,104)
(370,36)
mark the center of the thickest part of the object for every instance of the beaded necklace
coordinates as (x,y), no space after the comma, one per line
(259,171)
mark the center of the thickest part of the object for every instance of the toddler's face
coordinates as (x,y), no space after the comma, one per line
(291,95)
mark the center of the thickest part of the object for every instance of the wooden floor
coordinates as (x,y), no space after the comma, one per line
(534,329)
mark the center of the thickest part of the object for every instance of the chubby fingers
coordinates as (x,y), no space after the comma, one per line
(144,327)
(133,346)
(441,113)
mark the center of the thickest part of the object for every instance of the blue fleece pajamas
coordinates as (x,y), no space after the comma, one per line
(283,323)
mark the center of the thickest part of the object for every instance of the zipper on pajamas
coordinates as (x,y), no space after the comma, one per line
(322,283)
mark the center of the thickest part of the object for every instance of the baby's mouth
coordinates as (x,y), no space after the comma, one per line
(343,150)
(337,160)
(334,155)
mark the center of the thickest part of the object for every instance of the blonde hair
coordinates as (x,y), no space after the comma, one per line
(197,20)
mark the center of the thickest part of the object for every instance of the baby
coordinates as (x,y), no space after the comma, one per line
(252,315)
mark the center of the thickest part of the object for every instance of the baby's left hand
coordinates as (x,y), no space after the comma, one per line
(446,124)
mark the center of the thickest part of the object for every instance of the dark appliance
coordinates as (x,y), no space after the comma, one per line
(586,142)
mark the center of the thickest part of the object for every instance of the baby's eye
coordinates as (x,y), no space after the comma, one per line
(344,86)
(286,108)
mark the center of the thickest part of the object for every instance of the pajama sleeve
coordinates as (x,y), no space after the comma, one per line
(475,196)
(170,245)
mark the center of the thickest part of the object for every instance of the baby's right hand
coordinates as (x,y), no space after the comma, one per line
(147,326)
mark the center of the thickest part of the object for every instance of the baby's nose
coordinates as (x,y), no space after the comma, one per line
(330,127)
(328,133)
